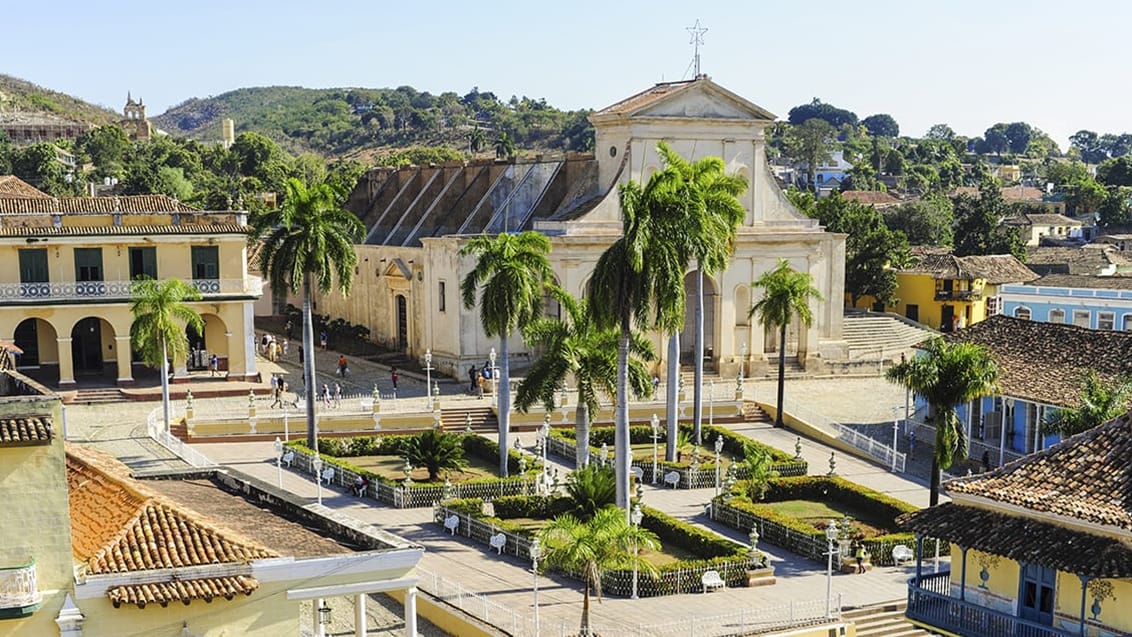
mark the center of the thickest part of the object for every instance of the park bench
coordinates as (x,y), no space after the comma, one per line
(498,541)
(288,458)
(901,553)
(711,579)
(638,473)
(328,475)
(452,523)
(672,478)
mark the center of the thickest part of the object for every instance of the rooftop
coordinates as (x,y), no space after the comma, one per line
(1086,259)
(1010,194)
(16,432)
(1084,281)
(996,269)
(12,187)
(125,204)
(873,197)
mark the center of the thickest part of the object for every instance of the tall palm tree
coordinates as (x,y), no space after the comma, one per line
(708,200)
(606,542)
(308,241)
(638,278)
(1100,401)
(786,294)
(161,314)
(946,375)
(573,347)
(512,270)
(504,146)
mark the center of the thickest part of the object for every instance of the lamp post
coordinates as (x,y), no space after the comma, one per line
(655,437)
(711,403)
(635,517)
(323,617)
(286,425)
(895,432)
(603,455)
(831,532)
(428,373)
(279,461)
(718,460)
(317,464)
(494,375)
(536,552)
(544,439)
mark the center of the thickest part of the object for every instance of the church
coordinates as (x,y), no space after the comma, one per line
(417,218)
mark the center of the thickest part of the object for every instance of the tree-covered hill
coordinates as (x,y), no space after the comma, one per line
(349,121)
(21,95)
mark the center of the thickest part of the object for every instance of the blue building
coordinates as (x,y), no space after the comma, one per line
(1095,302)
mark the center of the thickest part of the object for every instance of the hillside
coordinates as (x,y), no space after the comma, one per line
(17,94)
(358,121)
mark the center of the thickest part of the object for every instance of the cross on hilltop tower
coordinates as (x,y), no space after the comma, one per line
(697,33)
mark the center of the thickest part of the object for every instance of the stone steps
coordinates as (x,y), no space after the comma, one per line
(482,419)
(867,334)
(883,620)
(99,395)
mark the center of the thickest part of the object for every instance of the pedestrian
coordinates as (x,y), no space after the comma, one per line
(263,343)
(480,382)
(337,395)
(472,378)
(343,367)
(655,385)
(289,329)
(859,554)
(300,356)
(322,339)
(213,364)
(276,391)
(286,346)
(326,395)
(912,444)
(986,459)
(393,377)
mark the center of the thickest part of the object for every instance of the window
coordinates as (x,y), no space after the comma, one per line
(88,264)
(206,262)
(1057,316)
(1022,313)
(441,290)
(33,272)
(1127,323)
(143,263)
(1106,320)
(1081,318)
(912,311)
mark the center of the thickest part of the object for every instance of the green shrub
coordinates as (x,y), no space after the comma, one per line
(592,488)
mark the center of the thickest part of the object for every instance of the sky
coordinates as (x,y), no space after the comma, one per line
(1058,66)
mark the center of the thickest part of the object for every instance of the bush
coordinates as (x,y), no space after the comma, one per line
(592,488)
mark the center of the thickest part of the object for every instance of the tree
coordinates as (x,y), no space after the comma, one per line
(1100,401)
(816,109)
(927,221)
(591,488)
(307,241)
(511,273)
(1088,144)
(435,450)
(994,140)
(882,125)
(504,146)
(978,225)
(1083,195)
(786,295)
(608,541)
(940,132)
(759,464)
(1018,136)
(477,140)
(1115,206)
(810,142)
(1115,172)
(572,347)
(161,313)
(946,375)
(872,250)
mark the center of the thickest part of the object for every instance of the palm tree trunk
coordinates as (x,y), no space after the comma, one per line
(581,435)
(585,629)
(621,455)
(698,359)
(673,395)
(504,403)
(781,374)
(933,495)
(165,384)
(308,364)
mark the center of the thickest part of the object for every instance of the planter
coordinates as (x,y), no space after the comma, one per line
(761,577)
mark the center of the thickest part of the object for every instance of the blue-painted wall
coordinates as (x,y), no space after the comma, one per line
(1041,300)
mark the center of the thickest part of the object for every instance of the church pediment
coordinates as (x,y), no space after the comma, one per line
(699,98)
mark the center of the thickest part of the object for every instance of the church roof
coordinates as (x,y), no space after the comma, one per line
(664,91)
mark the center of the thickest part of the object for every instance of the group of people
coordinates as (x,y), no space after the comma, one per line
(478,377)
(332,401)
(279,389)
(269,347)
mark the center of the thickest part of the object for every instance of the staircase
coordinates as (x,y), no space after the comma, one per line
(753,414)
(178,428)
(98,395)
(483,419)
(883,620)
(870,335)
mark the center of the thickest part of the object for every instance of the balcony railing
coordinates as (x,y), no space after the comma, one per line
(19,592)
(930,605)
(116,290)
(958,295)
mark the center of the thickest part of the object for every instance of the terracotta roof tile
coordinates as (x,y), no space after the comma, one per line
(24,431)
(874,197)
(1087,259)
(185,591)
(995,268)
(127,204)
(1010,194)
(98,231)
(13,187)
(1084,281)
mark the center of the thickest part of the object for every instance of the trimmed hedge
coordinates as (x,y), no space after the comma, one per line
(733,443)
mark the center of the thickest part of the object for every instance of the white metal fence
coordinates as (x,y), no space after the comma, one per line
(156,429)
(877,450)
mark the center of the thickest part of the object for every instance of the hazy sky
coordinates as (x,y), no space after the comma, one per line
(1061,66)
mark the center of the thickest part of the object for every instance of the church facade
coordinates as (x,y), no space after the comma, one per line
(418,218)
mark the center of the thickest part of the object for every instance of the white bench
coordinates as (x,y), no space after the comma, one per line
(452,523)
(711,579)
(901,553)
(498,541)
(328,475)
(672,478)
(288,458)
(638,473)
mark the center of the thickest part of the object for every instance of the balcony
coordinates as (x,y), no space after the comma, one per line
(958,295)
(19,592)
(70,291)
(932,605)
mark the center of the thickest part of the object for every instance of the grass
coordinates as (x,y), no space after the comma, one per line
(392,467)
(820,513)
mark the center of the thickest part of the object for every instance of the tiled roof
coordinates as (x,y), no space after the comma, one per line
(208,589)
(1024,539)
(1084,281)
(995,268)
(874,197)
(98,231)
(25,431)
(1051,220)
(126,204)
(1086,259)
(1044,362)
(13,187)
(1010,194)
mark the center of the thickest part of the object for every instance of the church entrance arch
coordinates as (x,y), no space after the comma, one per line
(688,334)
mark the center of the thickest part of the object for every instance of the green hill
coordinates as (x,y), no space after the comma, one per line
(357,121)
(17,94)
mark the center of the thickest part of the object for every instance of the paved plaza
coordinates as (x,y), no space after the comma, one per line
(120,429)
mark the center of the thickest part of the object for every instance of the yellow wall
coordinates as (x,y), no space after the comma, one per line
(174,256)
(920,290)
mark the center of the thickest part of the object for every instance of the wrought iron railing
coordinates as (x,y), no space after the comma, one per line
(115,290)
(932,604)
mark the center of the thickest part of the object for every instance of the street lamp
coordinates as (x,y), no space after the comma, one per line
(428,372)
(711,403)
(895,431)
(494,376)
(831,532)
(544,434)
(718,460)
(286,425)
(655,436)
(317,464)
(323,617)
(635,517)
(603,455)
(536,552)
(279,461)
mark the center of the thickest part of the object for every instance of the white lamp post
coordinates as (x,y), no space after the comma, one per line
(428,374)
(603,455)
(635,517)
(544,433)
(494,374)
(279,461)
(895,431)
(711,403)
(286,425)
(317,464)
(831,537)
(655,436)
(718,460)
(536,552)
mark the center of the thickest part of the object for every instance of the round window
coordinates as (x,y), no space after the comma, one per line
(612,151)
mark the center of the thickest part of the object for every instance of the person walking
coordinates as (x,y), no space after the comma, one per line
(326,395)
(343,366)
(289,329)
(300,356)
(472,373)
(393,377)
(213,364)
(286,346)
(322,339)
(337,395)
(276,391)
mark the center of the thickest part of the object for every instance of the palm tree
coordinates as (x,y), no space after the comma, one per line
(574,347)
(946,375)
(504,146)
(513,271)
(308,241)
(787,294)
(591,489)
(1100,402)
(161,315)
(477,139)
(606,542)
(435,451)
(637,278)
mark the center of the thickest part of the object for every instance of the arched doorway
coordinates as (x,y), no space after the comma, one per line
(688,334)
(402,323)
(88,345)
(39,341)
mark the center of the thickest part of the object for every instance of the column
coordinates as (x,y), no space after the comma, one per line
(247,343)
(319,628)
(360,616)
(66,364)
(411,611)
(125,369)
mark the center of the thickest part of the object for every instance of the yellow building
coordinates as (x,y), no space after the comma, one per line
(65,300)
(1040,547)
(945,292)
